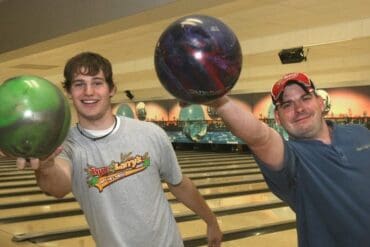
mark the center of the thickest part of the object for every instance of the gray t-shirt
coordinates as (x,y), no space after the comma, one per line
(117,181)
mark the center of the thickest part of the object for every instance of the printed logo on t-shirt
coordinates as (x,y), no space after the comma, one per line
(101,177)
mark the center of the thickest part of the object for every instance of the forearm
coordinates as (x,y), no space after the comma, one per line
(54,179)
(264,141)
(240,122)
(188,194)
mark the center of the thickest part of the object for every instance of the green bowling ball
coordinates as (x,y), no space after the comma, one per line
(34,117)
(194,125)
(125,110)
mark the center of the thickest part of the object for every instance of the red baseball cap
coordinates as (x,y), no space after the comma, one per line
(299,78)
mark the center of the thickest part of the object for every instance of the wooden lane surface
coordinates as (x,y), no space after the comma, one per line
(202,175)
(205,192)
(227,189)
(57,207)
(215,161)
(48,225)
(204,170)
(37,210)
(194,227)
(230,202)
(30,198)
(194,154)
(14,184)
(236,221)
(54,224)
(229,222)
(76,221)
(195,166)
(178,208)
(287,238)
(6,241)
(86,241)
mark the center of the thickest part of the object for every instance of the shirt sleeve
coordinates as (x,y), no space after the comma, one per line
(283,182)
(66,153)
(169,167)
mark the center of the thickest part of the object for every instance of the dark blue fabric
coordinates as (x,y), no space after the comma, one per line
(328,186)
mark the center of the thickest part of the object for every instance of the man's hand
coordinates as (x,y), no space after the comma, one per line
(214,103)
(218,102)
(36,163)
(214,235)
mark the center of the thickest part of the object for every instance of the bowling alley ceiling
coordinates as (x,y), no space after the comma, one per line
(38,36)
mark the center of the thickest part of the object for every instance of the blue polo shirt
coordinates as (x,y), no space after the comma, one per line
(328,186)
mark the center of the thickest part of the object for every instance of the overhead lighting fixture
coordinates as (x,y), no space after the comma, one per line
(292,55)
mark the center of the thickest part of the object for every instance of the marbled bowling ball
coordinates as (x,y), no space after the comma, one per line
(34,117)
(198,59)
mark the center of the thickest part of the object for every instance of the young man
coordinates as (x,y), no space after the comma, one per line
(322,172)
(115,166)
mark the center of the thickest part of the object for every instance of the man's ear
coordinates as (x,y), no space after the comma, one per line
(68,95)
(277,117)
(113,91)
(321,103)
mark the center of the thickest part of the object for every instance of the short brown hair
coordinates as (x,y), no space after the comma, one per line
(87,63)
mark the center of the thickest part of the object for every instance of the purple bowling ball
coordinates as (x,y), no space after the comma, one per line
(198,59)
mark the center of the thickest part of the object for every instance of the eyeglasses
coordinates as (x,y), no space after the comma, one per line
(299,78)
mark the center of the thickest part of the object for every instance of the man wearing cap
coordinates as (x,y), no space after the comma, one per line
(322,171)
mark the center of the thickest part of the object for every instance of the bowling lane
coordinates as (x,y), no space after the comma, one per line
(54,207)
(201,182)
(214,161)
(228,189)
(184,155)
(45,225)
(55,224)
(189,228)
(236,221)
(221,169)
(178,208)
(287,238)
(12,184)
(29,198)
(20,177)
(31,210)
(32,188)
(230,202)
(72,242)
(6,161)
(223,173)
(215,168)
(204,182)
(15,173)
(5,192)
(59,206)
(6,241)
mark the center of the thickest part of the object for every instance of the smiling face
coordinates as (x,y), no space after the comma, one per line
(300,113)
(91,96)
